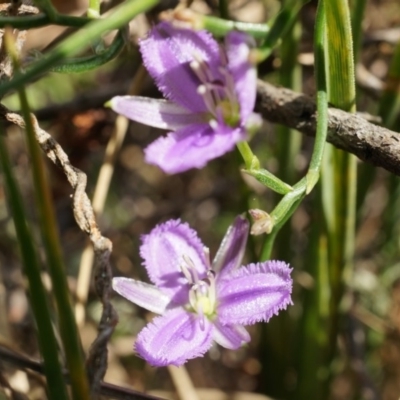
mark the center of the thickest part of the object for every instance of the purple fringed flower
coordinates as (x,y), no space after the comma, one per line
(200,303)
(211,93)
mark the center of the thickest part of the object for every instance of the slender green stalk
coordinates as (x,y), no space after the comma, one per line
(322,99)
(44,204)
(366,171)
(85,64)
(333,239)
(78,41)
(221,27)
(281,213)
(36,21)
(290,201)
(269,180)
(48,226)
(280,26)
(263,176)
(342,95)
(357,16)
(223,9)
(94,9)
(389,107)
(47,7)
(250,160)
(313,341)
(40,307)
(289,140)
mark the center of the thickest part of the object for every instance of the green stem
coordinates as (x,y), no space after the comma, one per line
(389,106)
(94,9)
(290,201)
(333,237)
(40,307)
(48,226)
(289,140)
(356,25)
(78,41)
(311,353)
(322,101)
(85,64)
(223,9)
(250,160)
(281,213)
(221,27)
(47,7)
(281,24)
(36,21)
(44,204)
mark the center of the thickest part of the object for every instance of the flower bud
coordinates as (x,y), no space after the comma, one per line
(262,222)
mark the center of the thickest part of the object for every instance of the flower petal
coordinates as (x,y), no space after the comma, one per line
(174,338)
(163,250)
(192,147)
(230,336)
(142,294)
(167,53)
(232,248)
(254,293)
(238,45)
(158,113)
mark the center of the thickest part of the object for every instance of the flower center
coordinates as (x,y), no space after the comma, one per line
(202,296)
(218,92)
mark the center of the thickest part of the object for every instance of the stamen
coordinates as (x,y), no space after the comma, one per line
(198,71)
(212,289)
(217,90)
(207,97)
(191,269)
(185,271)
(213,123)
(202,90)
(193,299)
(206,251)
(223,56)
(229,85)
(205,70)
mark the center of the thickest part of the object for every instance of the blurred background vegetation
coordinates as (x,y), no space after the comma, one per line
(284,360)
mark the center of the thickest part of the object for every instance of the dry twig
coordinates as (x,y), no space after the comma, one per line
(350,132)
(85,218)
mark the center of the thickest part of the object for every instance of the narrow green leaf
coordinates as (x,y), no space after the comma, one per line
(269,180)
(40,307)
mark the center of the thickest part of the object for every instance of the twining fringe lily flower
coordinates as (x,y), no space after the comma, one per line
(211,92)
(198,302)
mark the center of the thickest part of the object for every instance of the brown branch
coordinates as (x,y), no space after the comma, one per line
(85,218)
(350,132)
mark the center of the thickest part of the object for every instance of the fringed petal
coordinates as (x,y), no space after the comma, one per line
(167,53)
(192,147)
(174,338)
(254,293)
(165,250)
